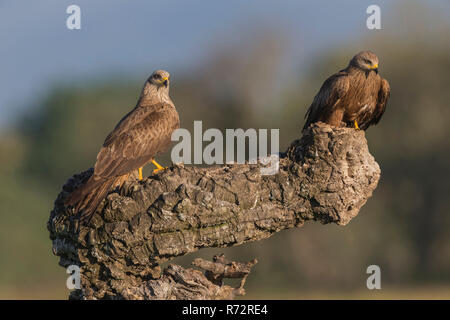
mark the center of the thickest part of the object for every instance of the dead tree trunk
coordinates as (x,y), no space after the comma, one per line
(326,176)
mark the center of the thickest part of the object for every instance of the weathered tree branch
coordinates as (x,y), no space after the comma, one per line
(326,176)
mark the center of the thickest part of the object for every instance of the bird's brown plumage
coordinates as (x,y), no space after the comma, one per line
(141,134)
(355,93)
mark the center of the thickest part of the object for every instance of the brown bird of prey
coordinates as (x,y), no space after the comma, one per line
(355,96)
(142,134)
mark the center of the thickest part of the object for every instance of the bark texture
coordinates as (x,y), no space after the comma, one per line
(325,176)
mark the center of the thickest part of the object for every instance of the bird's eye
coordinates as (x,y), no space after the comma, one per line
(367,61)
(157,76)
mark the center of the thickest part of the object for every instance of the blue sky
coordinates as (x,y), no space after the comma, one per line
(134,37)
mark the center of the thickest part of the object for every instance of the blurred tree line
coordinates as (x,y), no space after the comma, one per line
(403,228)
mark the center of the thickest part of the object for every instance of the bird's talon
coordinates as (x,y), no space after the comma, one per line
(159,169)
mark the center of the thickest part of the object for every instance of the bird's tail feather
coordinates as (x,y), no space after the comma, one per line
(87,198)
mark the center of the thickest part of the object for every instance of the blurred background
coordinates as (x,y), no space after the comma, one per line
(247,64)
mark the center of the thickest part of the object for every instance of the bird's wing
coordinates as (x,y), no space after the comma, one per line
(325,101)
(138,137)
(383,96)
(129,120)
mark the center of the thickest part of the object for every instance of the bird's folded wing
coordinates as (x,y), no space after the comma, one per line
(130,120)
(324,103)
(383,96)
(138,137)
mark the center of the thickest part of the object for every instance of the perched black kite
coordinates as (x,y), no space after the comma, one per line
(142,134)
(355,96)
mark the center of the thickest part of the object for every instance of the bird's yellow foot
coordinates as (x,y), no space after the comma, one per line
(158,167)
(356,125)
(158,170)
(140,173)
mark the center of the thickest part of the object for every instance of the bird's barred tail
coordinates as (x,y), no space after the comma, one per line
(87,198)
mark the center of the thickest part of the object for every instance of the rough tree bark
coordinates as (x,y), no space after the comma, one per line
(325,176)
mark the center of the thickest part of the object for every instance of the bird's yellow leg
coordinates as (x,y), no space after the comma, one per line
(158,166)
(140,173)
(356,125)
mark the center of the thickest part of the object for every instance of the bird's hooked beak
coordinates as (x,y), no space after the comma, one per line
(165,81)
(375,68)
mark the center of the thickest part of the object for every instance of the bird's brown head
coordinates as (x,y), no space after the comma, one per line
(366,61)
(160,78)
